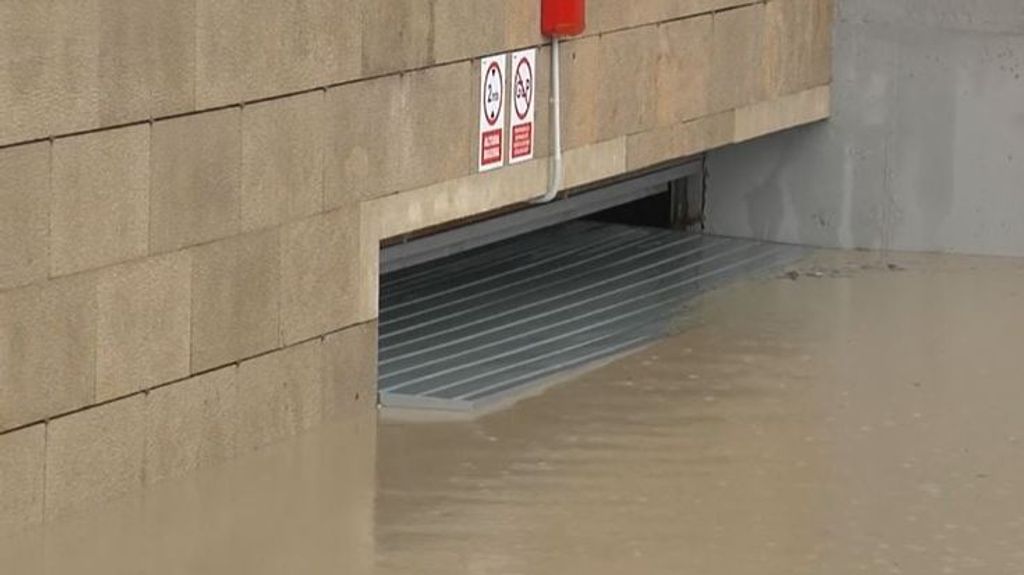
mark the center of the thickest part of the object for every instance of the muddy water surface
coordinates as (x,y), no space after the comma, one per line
(853,417)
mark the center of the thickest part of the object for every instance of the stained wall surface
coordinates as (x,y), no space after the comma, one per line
(925,148)
(193,192)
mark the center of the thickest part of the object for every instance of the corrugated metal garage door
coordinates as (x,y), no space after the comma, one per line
(465,331)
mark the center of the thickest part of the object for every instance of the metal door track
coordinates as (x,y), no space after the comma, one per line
(469,330)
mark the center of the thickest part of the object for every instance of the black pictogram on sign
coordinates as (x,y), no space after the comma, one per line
(523,88)
(494,92)
(524,92)
(493,99)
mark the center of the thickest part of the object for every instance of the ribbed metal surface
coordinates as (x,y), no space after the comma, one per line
(459,333)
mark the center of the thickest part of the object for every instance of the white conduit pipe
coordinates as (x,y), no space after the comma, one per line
(555,176)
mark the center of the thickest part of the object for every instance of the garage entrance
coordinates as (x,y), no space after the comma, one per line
(474,314)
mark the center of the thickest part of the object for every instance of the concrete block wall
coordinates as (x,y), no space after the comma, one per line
(925,147)
(193,192)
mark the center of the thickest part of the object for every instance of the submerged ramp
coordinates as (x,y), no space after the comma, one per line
(466,331)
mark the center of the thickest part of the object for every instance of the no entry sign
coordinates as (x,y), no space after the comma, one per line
(524,99)
(492,112)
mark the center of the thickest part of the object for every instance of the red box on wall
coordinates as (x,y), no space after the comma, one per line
(560,18)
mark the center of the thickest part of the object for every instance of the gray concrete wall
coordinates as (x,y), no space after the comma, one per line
(925,147)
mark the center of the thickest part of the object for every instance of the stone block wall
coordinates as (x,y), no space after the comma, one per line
(193,192)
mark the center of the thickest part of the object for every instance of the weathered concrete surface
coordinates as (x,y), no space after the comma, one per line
(24,214)
(99,214)
(143,330)
(235,299)
(47,350)
(21,478)
(94,455)
(925,149)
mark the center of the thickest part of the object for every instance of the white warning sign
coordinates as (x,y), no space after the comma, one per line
(492,112)
(524,99)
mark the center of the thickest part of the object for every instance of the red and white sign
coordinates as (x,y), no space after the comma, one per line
(524,100)
(492,112)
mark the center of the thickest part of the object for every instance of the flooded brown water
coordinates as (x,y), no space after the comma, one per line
(855,418)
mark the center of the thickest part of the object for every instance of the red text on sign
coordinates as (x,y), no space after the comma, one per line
(490,147)
(522,140)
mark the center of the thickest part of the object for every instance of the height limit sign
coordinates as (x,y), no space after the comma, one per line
(492,112)
(524,67)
